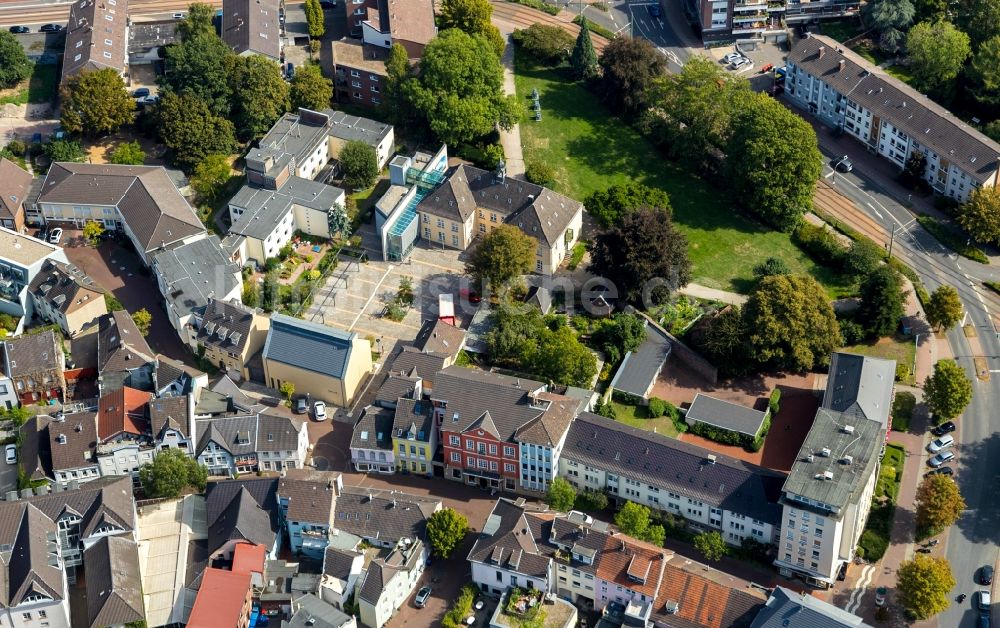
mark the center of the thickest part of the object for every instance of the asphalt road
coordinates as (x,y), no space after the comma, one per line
(975,539)
(35,13)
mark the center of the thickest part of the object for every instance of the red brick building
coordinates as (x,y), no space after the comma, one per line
(359,72)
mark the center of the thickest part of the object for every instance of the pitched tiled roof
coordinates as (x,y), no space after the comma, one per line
(235,319)
(309,346)
(410,20)
(243,519)
(802,610)
(65,288)
(249,558)
(236,434)
(438,336)
(373,429)
(218,495)
(310,494)
(703,598)
(147,199)
(29,570)
(309,611)
(384,515)
(72,442)
(120,345)
(413,420)
(252,26)
(415,362)
(114,593)
(338,562)
(169,412)
(278,433)
(640,368)
(891,99)
(122,410)
(33,353)
(725,414)
(34,452)
(220,599)
(376,579)
(548,429)
(96,37)
(16,184)
(538,211)
(396,385)
(510,538)
(675,465)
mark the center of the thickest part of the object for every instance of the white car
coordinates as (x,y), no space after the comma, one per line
(742,64)
(733,57)
(941,458)
(942,443)
(10,453)
(55,235)
(319,411)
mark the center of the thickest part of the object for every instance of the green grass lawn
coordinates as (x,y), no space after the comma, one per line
(902,410)
(841,30)
(40,87)
(590,149)
(637,416)
(898,348)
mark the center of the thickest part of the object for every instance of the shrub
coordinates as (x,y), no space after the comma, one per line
(591,500)
(539,172)
(17,147)
(902,371)
(455,618)
(774,403)
(873,545)
(819,243)
(851,332)
(657,407)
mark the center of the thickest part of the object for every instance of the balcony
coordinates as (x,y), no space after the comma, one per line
(750,5)
(750,17)
(755,27)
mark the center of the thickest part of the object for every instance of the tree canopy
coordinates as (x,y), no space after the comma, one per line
(619,335)
(550,45)
(944,309)
(200,63)
(561,495)
(64,150)
(890,18)
(473,17)
(644,255)
(790,323)
(939,503)
(923,585)
(634,520)
(211,175)
(984,71)
(310,89)
(190,129)
(128,153)
(502,255)
(608,205)
(446,529)
(395,106)
(459,89)
(629,66)
(980,215)
(725,341)
(863,258)
(882,298)
(315,20)
(14,63)
(583,60)
(937,52)
(96,101)
(980,19)
(170,472)
(260,95)
(947,391)
(360,164)
(711,545)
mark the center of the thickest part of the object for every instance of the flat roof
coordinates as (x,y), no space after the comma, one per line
(22,249)
(354,54)
(726,415)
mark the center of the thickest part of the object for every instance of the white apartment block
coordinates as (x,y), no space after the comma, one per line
(890,118)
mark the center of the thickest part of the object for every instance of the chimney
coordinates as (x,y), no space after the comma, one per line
(842,64)
(822,51)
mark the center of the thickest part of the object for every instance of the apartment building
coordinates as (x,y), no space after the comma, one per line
(252,27)
(889,118)
(244,443)
(388,581)
(485,419)
(17,185)
(21,259)
(827,496)
(125,440)
(123,357)
(114,583)
(359,72)
(711,491)
(341,570)
(382,23)
(305,499)
(171,422)
(224,599)
(471,202)
(743,20)
(371,441)
(34,364)
(72,444)
(97,35)
(231,334)
(63,294)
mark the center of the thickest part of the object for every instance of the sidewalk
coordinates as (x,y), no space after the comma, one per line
(712,294)
(511,140)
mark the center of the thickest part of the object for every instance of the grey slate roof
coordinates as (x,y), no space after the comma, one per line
(17,185)
(169,412)
(832,437)
(511,539)
(373,429)
(310,494)
(788,609)
(338,562)
(147,199)
(396,385)
(114,592)
(29,570)
(413,361)
(675,465)
(32,353)
(860,386)
(79,430)
(235,318)
(640,368)
(120,345)
(438,336)
(726,415)
(278,433)
(887,97)
(310,611)
(308,346)
(64,286)
(33,455)
(540,297)
(218,495)
(537,211)
(96,37)
(252,26)
(263,208)
(384,515)
(243,519)
(238,435)
(144,36)
(194,273)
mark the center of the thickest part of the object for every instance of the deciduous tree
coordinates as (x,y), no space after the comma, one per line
(944,309)
(939,503)
(550,45)
(287,389)
(980,215)
(211,175)
(260,95)
(64,150)
(473,17)
(608,205)
(96,101)
(360,165)
(644,255)
(128,154)
(923,585)
(882,299)
(773,161)
(890,18)
(459,89)
(947,391)
(771,266)
(169,473)
(398,71)
(629,66)
(863,258)
(446,529)
(633,519)
(14,63)
(143,320)
(584,57)
(189,128)
(504,254)
(310,89)
(937,53)
(200,63)
(711,545)
(790,323)
(725,341)
(561,495)
(92,232)
(985,72)
(623,333)
(980,19)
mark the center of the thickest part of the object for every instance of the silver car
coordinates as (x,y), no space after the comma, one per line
(941,458)
(422,595)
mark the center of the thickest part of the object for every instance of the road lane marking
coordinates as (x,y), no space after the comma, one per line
(862,587)
(876,211)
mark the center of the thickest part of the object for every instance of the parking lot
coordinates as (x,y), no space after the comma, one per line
(761,55)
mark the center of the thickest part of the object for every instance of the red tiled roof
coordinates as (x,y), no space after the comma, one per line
(220,600)
(249,558)
(122,410)
(704,602)
(636,559)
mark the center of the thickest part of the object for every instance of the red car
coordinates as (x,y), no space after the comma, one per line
(471,295)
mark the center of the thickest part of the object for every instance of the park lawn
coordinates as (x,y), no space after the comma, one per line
(591,149)
(898,348)
(39,87)
(637,416)
(841,30)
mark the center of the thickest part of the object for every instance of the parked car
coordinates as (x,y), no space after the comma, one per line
(50,28)
(742,64)
(986,574)
(654,10)
(422,595)
(20,29)
(984,601)
(289,70)
(301,406)
(328,4)
(319,411)
(941,458)
(142,92)
(940,471)
(471,295)
(151,100)
(944,428)
(844,164)
(941,443)
(779,73)
(55,235)
(733,56)
(10,453)
(180,16)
